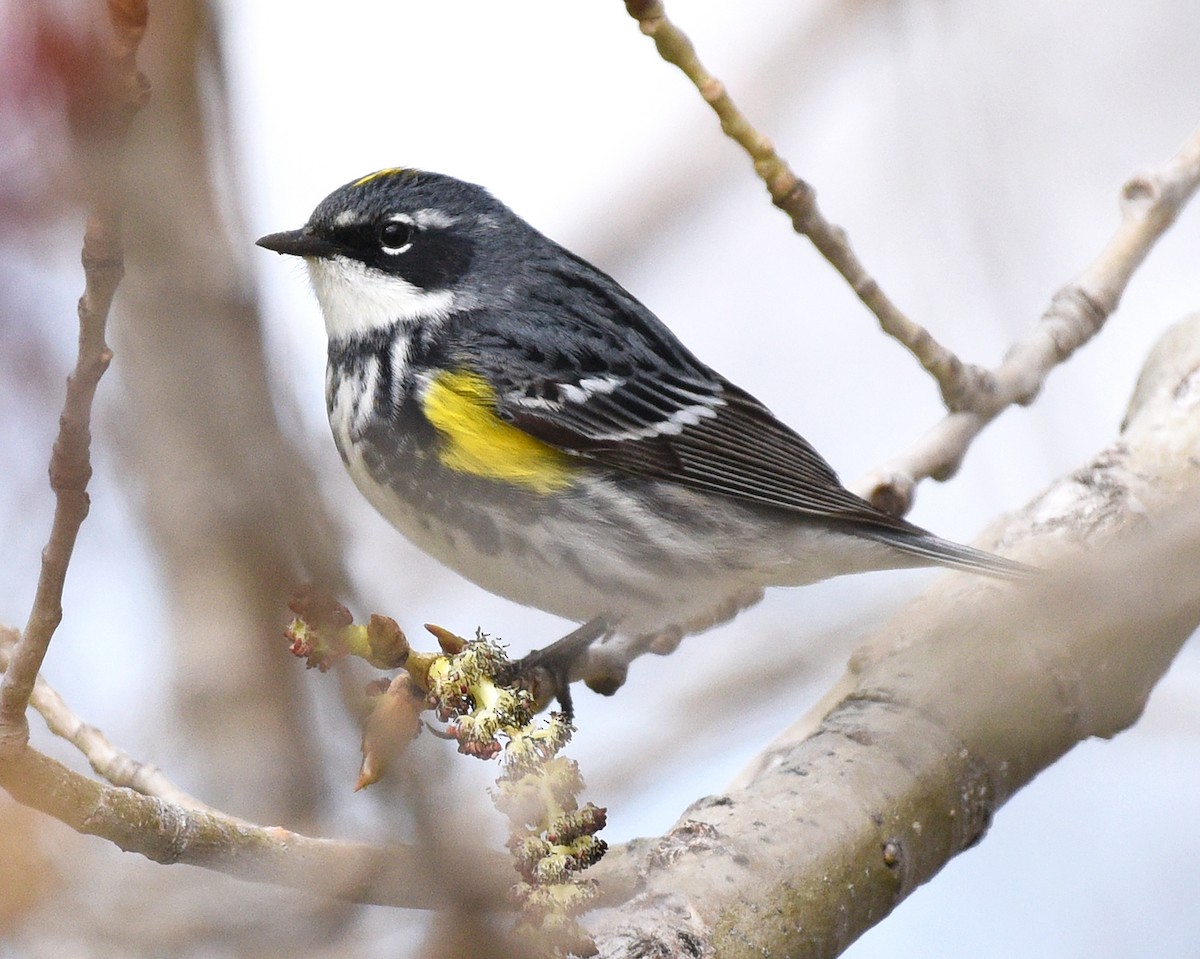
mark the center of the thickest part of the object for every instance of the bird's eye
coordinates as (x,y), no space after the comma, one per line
(396,236)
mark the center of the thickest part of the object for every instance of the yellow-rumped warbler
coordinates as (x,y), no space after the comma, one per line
(519,416)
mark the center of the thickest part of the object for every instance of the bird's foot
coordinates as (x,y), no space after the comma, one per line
(548,672)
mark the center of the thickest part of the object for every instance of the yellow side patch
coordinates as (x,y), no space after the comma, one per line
(462,408)
(389,171)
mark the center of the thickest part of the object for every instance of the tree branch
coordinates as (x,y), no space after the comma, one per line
(974,396)
(1150,203)
(958,703)
(113,764)
(125,92)
(144,812)
(228,495)
(955,705)
(957,381)
(167,833)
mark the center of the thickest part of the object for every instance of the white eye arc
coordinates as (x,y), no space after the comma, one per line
(396,234)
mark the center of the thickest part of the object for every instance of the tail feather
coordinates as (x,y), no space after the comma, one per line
(941,552)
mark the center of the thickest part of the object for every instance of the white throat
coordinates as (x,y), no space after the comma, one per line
(357,301)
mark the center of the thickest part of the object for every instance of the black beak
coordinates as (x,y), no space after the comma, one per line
(300,242)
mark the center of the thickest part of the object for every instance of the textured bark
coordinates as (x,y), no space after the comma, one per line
(958,702)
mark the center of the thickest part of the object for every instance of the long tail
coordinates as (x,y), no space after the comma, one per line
(942,552)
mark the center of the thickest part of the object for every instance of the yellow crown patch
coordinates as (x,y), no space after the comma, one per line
(379,174)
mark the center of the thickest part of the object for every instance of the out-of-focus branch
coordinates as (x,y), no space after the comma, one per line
(70,461)
(955,705)
(228,495)
(155,818)
(1150,203)
(166,833)
(974,396)
(959,382)
(114,764)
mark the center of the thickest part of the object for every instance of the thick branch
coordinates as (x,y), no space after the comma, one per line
(957,703)
(228,496)
(961,701)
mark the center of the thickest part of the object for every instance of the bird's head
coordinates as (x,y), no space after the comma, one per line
(403,245)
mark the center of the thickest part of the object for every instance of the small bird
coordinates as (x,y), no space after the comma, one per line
(522,418)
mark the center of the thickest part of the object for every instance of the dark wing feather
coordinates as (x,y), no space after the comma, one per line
(735,447)
(744,452)
(585,367)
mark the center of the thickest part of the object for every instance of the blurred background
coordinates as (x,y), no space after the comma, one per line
(974,152)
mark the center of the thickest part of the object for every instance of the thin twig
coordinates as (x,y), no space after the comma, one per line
(155,818)
(1150,203)
(110,762)
(959,382)
(70,461)
(70,470)
(974,396)
(166,833)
